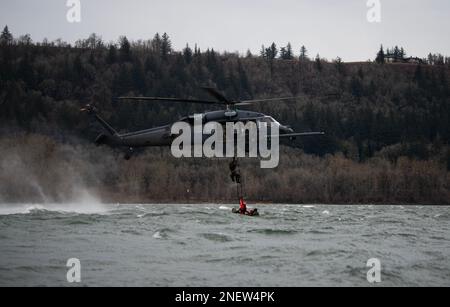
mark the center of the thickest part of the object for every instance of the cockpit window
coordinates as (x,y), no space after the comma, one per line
(269,120)
(266,119)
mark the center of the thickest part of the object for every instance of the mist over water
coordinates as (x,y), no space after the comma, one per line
(35,169)
(206,245)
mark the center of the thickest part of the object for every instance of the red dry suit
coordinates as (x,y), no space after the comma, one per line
(242,206)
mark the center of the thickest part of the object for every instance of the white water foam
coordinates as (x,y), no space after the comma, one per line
(61,208)
(86,204)
(157,235)
(22,209)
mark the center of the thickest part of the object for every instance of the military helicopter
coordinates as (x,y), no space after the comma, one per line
(162,136)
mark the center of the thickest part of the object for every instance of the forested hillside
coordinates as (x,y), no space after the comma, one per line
(387,125)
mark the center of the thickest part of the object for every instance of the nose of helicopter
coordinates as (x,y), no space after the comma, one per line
(286,129)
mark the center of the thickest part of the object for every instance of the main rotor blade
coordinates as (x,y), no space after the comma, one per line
(268,100)
(169,99)
(213,92)
(241,104)
(293,135)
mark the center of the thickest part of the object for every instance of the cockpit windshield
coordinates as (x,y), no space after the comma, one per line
(269,120)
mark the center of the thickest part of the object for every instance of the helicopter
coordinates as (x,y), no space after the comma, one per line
(163,137)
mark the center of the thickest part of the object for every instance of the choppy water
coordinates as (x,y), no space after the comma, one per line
(206,245)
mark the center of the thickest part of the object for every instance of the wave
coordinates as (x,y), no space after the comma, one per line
(163,233)
(326,252)
(79,208)
(150,214)
(217,237)
(158,235)
(25,209)
(270,231)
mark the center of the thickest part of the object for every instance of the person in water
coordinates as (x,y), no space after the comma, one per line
(242,206)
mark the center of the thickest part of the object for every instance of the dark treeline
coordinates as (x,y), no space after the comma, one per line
(371,111)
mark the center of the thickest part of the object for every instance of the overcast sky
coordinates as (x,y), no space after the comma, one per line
(329,27)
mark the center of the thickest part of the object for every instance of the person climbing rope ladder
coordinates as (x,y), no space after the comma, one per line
(235,174)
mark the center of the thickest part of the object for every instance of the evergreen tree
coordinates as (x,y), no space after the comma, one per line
(286,52)
(396,54)
(318,63)
(112,54)
(339,65)
(197,52)
(187,54)
(380,56)
(6,38)
(283,53)
(289,52)
(263,53)
(211,60)
(125,49)
(402,53)
(273,52)
(166,46)
(303,54)
(156,44)
(270,55)
(388,52)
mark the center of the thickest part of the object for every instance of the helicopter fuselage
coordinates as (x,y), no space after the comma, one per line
(162,136)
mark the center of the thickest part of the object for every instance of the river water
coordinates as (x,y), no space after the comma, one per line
(207,245)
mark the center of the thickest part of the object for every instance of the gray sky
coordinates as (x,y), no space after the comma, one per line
(329,27)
